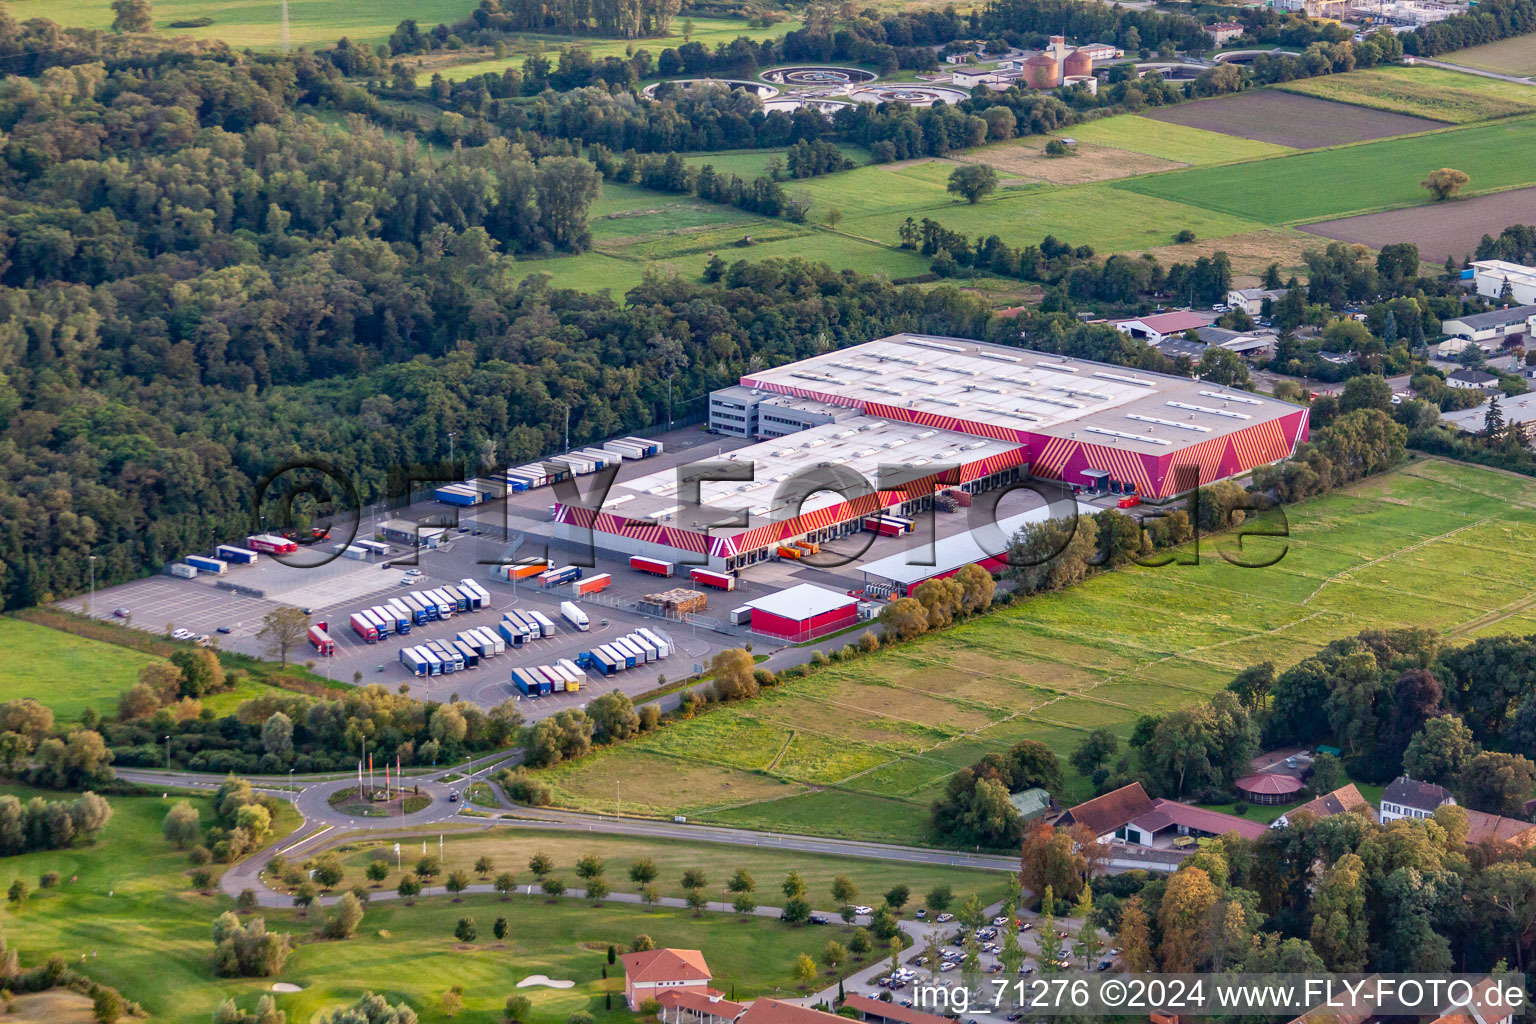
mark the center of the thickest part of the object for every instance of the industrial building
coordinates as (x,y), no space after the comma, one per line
(1492,277)
(803,613)
(947,413)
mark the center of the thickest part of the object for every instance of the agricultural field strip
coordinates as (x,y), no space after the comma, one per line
(1035,712)
(1206,196)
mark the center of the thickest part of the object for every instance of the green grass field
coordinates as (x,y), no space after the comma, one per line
(1423,92)
(1513,56)
(258,23)
(1351,179)
(708,31)
(634,229)
(67,673)
(1171,141)
(511,848)
(860,749)
(129,912)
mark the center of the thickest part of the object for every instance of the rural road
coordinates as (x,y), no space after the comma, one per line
(1473,71)
(324,826)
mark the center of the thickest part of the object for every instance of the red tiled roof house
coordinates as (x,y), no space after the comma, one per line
(649,974)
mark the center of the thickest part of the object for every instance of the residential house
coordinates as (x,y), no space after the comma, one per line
(1472,379)
(1493,330)
(1251,300)
(1222,32)
(960,58)
(1519,409)
(649,974)
(1344,800)
(1154,329)
(1485,1007)
(1409,798)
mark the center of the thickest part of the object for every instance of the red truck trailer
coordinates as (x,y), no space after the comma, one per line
(710,578)
(592,584)
(654,566)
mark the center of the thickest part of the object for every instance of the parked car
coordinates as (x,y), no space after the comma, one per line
(224,629)
(863,910)
(947,966)
(121,613)
(818,919)
(922,914)
(944,918)
(413,572)
(1000,921)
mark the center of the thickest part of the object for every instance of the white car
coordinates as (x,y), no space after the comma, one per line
(413,572)
(183,634)
(863,910)
(943,918)
(1000,921)
(407,581)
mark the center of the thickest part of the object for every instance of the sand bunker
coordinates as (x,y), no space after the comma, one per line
(547,982)
(285,986)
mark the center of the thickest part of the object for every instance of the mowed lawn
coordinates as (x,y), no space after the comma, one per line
(126,907)
(258,23)
(511,848)
(1423,92)
(1352,179)
(1170,141)
(860,749)
(66,672)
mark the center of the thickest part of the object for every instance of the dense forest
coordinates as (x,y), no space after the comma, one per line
(200,280)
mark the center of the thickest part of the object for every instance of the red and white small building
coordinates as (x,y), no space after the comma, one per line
(655,972)
(802,613)
(1155,329)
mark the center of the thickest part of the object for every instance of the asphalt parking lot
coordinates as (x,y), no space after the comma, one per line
(477,540)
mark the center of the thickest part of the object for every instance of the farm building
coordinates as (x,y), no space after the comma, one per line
(910,414)
(1265,788)
(802,613)
(1344,800)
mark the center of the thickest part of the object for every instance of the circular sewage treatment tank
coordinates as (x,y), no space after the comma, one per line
(810,76)
(758,89)
(912,96)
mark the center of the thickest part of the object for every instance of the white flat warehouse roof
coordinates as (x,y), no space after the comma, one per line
(958,549)
(801,602)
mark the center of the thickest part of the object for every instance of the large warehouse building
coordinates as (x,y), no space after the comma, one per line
(988,414)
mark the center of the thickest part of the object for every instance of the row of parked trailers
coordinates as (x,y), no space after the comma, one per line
(519,627)
(580,462)
(540,680)
(399,614)
(665,569)
(223,557)
(637,648)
